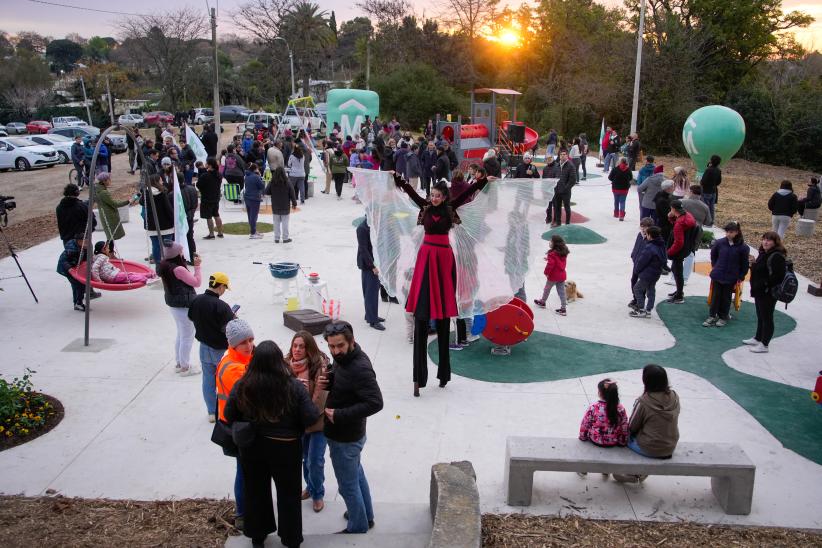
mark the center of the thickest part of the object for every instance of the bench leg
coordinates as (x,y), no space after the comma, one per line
(734,493)
(519,484)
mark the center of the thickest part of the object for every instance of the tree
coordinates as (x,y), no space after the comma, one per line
(97,49)
(469,17)
(413,93)
(261,19)
(32,42)
(332,22)
(26,82)
(165,45)
(76,38)
(63,54)
(311,36)
(6,47)
(388,13)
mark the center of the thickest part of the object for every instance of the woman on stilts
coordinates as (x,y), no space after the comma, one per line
(432,294)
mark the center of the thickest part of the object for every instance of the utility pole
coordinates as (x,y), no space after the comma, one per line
(638,70)
(110,103)
(217,127)
(85,101)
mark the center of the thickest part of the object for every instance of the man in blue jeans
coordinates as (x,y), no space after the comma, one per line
(210,315)
(353,395)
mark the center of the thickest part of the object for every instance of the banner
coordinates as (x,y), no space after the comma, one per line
(196,145)
(180,218)
(601,137)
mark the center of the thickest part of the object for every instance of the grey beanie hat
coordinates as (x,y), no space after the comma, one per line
(236,331)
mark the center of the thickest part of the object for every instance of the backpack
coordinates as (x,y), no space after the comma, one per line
(785,291)
(230,162)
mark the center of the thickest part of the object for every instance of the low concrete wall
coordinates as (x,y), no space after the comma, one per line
(455,506)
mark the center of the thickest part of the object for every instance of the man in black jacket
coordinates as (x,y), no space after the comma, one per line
(562,192)
(210,315)
(353,395)
(369,273)
(72,214)
(526,169)
(711,179)
(210,140)
(441,169)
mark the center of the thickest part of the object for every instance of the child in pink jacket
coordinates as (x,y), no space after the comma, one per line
(555,273)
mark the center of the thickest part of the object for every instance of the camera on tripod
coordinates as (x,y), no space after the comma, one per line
(6,205)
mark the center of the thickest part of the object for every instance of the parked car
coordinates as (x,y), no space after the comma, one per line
(20,153)
(70,132)
(157,117)
(203,115)
(266,119)
(38,126)
(60,143)
(67,121)
(234,113)
(118,142)
(131,120)
(308,116)
(3,132)
(15,128)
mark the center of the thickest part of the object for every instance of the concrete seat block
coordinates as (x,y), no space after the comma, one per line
(731,471)
(811,214)
(455,506)
(804,227)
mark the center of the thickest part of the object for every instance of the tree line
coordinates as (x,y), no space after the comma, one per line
(572,59)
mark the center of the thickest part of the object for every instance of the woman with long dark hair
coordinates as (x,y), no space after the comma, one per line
(729,266)
(296,172)
(432,294)
(283,200)
(179,285)
(279,409)
(307,363)
(767,272)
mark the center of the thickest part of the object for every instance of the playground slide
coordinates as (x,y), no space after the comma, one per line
(531,136)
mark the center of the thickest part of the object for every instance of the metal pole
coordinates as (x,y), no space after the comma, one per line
(85,101)
(291,62)
(110,103)
(217,126)
(638,70)
(368,62)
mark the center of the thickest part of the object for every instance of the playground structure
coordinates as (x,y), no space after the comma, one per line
(300,114)
(491,126)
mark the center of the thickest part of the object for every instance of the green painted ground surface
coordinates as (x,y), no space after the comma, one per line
(785,411)
(576,234)
(242,229)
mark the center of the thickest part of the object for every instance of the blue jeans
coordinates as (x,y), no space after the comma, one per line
(370,295)
(634,446)
(619,203)
(551,149)
(252,209)
(345,457)
(188,175)
(710,201)
(156,252)
(209,360)
(314,445)
(239,492)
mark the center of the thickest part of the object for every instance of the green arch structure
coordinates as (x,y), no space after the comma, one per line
(787,412)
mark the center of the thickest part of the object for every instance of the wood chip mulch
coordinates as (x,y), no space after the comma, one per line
(73,522)
(523,531)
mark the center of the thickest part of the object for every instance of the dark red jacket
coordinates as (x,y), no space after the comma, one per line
(682,225)
(555,267)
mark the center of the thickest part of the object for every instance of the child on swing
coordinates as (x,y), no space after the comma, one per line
(103,271)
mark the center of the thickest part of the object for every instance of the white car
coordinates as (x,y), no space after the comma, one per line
(267,119)
(67,121)
(3,132)
(21,154)
(203,115)
(60,143)
(130,120)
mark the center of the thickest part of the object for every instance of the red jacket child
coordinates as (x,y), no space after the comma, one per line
(555,268)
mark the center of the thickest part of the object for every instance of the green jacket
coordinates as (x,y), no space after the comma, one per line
(109,216)
(339,163)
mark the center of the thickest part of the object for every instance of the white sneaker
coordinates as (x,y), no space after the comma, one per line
(212,419)
(178,368)
(473,338)
(759,349)
(189,371)
(750,342)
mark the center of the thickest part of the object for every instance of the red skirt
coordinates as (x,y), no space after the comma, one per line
(433,286)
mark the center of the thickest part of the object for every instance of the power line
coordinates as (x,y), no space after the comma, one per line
(86,9)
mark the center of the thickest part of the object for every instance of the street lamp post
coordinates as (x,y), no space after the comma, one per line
(291,62)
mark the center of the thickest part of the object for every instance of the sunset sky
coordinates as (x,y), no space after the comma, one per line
(58,21)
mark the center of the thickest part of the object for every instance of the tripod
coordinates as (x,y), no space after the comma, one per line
(20,268)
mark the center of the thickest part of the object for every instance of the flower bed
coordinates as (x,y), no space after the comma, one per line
(24,413)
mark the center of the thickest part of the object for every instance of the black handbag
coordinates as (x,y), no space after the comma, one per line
(243,433)
(222,436)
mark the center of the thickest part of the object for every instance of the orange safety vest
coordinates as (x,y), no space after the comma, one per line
(232,367)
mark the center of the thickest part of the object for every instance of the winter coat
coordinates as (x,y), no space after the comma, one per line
(654,423)
(275,158)
(620,178)
(365,252)
(339,163)
(283,198)
(644,172)
(413,169)
(649,188)
(698,209)
(729,261)
(442,169)
(783,202)
(555,267)
(296,167)
(683,231)
(353,394)
(813,199)
(110,217)
(452,158)
(711,179)
(638,244)
(492,167)
(253,187)
(190,201)
(767,272)
(428,160)
(526,171)
(208,182)
(165,215)
(72,216)
(551,171)
(400,157)
(662,206)
(650,260)
(77,153)
(238,167)
(210,142)
(567,178)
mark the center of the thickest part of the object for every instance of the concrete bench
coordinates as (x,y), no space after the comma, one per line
(731,471)
(812,214)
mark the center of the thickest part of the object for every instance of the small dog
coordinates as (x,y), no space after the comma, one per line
(571,292)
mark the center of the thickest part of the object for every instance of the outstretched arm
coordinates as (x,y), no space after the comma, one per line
(408,189)
(468,193)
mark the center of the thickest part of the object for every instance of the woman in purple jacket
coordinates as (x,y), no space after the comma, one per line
(729,262)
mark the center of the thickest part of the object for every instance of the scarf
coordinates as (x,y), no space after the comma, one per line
(299,366)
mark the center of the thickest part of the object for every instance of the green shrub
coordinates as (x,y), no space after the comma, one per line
(21,408)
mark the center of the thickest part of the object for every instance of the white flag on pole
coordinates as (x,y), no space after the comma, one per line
(196,145)
(180,218)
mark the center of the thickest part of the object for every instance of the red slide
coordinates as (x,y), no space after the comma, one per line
(531,136)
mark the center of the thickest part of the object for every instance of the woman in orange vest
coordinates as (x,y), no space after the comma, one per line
(231,368)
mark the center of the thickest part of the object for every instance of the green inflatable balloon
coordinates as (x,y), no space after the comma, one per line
(712,130)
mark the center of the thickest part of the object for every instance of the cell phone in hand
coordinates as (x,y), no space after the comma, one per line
(235,308)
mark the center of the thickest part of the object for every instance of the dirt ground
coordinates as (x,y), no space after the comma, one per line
(522,531)
(71,522)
